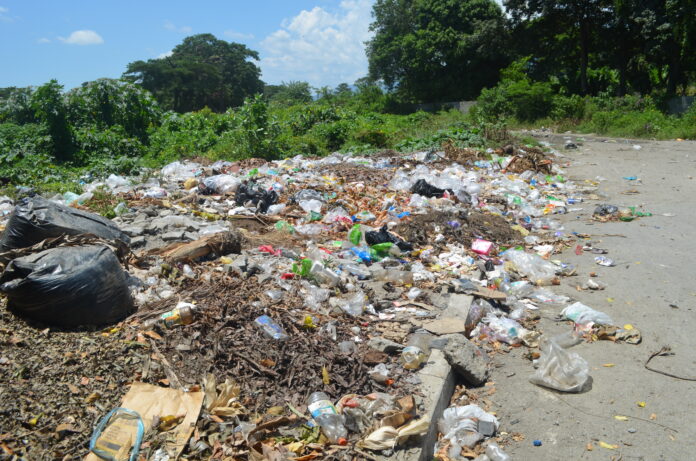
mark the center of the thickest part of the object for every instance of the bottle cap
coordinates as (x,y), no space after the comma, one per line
(342,441)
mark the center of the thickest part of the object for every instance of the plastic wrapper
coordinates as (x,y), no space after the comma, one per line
(583,315)
(532,266)
(559,369)
(68,286)
(36,219)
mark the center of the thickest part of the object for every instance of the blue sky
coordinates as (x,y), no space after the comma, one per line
(74,41)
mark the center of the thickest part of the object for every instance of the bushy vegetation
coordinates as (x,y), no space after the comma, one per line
(50,139)
(520,101)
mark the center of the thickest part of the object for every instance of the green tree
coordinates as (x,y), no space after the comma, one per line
(289,93)
(105,103)
(50,109)
(577,20)
(201,72)
(437,50)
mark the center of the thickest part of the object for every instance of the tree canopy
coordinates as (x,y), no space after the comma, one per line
(202,71)
(436,50)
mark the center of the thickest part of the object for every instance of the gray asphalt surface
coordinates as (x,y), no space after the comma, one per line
(652,287)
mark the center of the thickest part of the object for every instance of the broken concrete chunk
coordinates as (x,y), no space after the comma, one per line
(467,360)
(445,326)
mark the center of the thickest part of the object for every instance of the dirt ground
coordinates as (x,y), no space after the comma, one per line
(651,287)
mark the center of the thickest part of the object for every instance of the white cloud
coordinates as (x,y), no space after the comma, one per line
(83,37)
(237,35)
(320,46)
(165,55)
(4,16)
(182,30)
(43,40)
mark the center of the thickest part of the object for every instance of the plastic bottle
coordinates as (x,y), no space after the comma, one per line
(323,275)
(416,352)
(327,417)
(181,315)
(271,328)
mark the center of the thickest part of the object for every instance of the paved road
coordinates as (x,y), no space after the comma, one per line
(652,287)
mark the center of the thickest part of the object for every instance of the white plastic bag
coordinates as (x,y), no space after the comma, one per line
(559,369)
(582,315)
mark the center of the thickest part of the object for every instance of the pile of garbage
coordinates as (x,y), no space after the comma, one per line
(283,310)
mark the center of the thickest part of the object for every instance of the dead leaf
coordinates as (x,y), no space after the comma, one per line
(608,446)
(325,376)
(373,357)
(268,363)
(93,397)
(73,388)
(84,381)
(589,447)
(153,335)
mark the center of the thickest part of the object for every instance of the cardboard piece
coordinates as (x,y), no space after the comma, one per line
(152,402)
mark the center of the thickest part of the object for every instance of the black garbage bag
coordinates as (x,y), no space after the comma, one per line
(422,187)
(68,286)
(383,236)
(250,192)
(35,219)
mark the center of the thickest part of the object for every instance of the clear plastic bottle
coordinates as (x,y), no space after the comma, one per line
(323,275)
(416,352)
(271,328)
(326,416)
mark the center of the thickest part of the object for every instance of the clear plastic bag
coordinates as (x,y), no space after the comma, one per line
(559,369)
(582,315)
(534,267)
(460,424)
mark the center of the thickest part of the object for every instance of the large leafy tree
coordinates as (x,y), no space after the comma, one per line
(437,50)
(576,20)
(201,72)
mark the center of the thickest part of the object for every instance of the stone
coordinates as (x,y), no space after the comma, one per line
(133,231)
(137,242)
(467,360)
(384,345)
(174,235)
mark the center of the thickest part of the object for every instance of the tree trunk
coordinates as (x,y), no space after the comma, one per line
(584,55)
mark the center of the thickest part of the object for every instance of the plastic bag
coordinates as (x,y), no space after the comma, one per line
(36,219)
(460,424)
(559,369)
(178,171)
(421,187)
(582,315)
(219,184)
(383,236)
(537,269)
(68,286)
(250,192)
